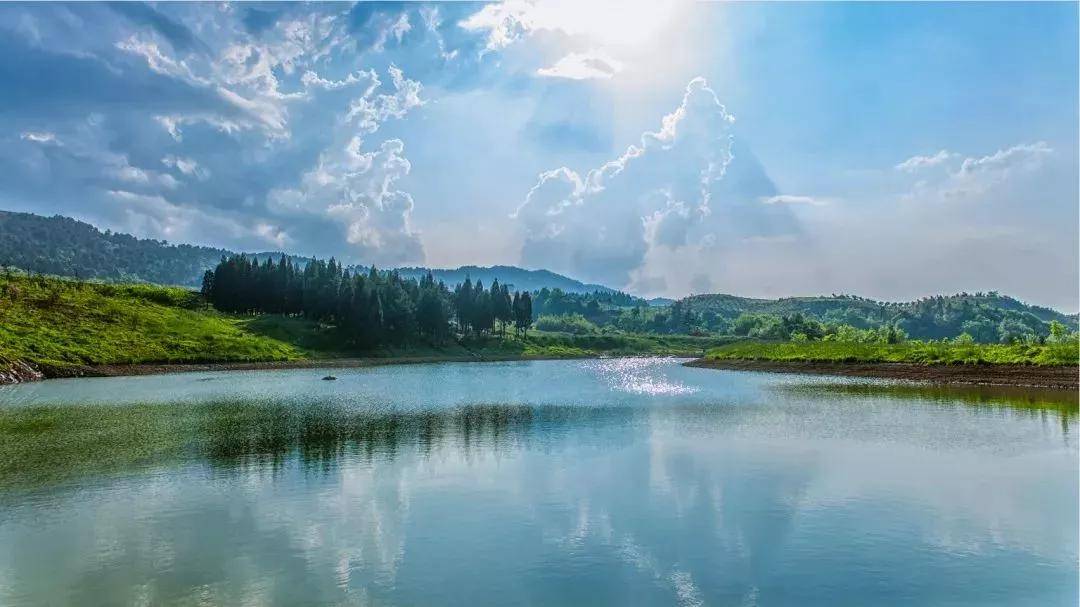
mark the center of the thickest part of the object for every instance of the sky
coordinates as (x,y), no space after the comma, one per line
(888,150)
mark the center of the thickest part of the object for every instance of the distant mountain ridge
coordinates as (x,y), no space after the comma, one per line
(518,278)
(825,306)
(985,316)
(68,247)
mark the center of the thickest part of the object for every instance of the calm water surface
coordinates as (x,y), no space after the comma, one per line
(620,482)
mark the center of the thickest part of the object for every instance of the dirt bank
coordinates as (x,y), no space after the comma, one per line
(1001,375)
(32,373)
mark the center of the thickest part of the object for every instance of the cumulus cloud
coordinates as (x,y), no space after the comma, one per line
(965,177)
(1017,157)
(370,110)
(501,22)
(367,77)
(917,163)
(601,225)
(583,66)
(504,23)
(181,116)
(359,190)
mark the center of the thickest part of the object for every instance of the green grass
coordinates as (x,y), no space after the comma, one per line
(58,323)
(908,352)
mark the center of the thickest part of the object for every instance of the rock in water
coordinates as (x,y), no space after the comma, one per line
(329,378)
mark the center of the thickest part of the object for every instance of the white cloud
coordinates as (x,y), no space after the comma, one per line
(503,22)
(186,166)
(158,61)
(605,22)
(368,111)
(916,163)
(1022,156)
(973,176)
(42,137)
(240,67)
(118,168)
(311,79)
(359,190)
(602,225)
(246,74)
(583,66)
(796,200)
(174,124)
(155,216)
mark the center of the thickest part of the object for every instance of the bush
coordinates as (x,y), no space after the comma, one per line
(575,324)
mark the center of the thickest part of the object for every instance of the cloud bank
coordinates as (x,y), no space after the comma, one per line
(602,225)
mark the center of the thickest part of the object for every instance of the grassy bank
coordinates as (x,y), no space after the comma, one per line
(927,353)
(59,325)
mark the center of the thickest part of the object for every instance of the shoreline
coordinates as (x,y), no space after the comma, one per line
(1028,376)
(132,369)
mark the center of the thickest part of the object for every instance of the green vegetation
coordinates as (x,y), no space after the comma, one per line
(935,352)
(57,323)
(986,317)
(566,323)
(65,247)
(371,309)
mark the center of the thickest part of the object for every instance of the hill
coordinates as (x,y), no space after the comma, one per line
(518,278)
(63,246)
(987,317)
(56,324)
(57,327)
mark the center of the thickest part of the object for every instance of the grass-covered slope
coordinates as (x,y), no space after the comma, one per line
(906,352)
(56,323)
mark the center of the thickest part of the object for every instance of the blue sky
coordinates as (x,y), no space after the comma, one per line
(889,150)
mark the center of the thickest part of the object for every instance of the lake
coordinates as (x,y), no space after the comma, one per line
(617,482)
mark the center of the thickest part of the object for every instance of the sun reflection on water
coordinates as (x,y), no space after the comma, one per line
(640,376)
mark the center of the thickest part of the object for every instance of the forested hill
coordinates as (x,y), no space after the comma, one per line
(518,278)
(985,316)
(67,247)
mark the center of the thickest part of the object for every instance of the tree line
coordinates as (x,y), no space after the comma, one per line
(373,307)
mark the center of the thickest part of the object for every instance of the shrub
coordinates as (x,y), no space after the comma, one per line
(566,323)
